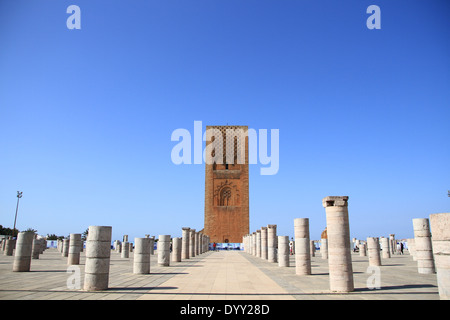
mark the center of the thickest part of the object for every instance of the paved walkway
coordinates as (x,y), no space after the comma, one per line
(220,275)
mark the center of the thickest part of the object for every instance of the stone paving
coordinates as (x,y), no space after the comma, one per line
(220,275)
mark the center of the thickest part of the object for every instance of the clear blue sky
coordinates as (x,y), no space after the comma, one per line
(86,115)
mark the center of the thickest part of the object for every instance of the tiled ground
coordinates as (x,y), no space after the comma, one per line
(219,275)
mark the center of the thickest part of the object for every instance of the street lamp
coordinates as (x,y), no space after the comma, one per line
(19,195)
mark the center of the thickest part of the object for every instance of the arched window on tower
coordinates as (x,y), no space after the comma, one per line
(225,197)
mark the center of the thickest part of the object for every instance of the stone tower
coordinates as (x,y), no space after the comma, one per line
(226,183)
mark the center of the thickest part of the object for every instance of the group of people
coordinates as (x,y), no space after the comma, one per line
(400,248)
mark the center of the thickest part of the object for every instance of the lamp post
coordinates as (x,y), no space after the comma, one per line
(19,195)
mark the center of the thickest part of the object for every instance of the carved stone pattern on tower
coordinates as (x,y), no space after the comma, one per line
(226,190)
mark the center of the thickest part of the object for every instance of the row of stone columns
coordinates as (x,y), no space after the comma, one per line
(263,243)
(27,247)
(193,243)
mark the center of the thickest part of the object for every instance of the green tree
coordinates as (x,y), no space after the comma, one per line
(31,230)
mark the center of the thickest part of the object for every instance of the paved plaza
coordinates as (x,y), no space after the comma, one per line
(219,275)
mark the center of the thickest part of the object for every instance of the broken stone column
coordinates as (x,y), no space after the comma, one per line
(141,261)
(440,228)
(65,248)
(22,257)
(118,246)
(423,246)
(312,248)
(98,253)
(73,257)
(386,252)
(176,249)
(302,246)
(192,243)
(9,247)
(392,244)
(258,243)
(125,250)
(254,244)
(185,243)
(272,243)
(410,244)
(196,252)
(283,251)
(373,248)
(362,249)
(264,243)
(164,250)
(338,235)
(324,248)
(200,243)
(36,250)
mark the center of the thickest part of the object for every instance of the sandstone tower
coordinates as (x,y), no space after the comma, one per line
(226,183)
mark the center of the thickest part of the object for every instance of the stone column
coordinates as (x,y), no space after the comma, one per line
(264,243)
(98,253)
(196,243)
(362,249)
(302,246)
(36,249)
(192,243)
(312,248)
(254,244)
(176,249)
(22,257)
(125,250)
(164,250)
(65,250)
(9,247)
(200,243)
(272,243)
(185,243)
(386,252)
(118,246)
(392,244)
(373,247)
(324,248)
(258,243)
(74,249)
(411,251)
(423,247)
(283,251)
(338,234)
(440,227)
(141,261)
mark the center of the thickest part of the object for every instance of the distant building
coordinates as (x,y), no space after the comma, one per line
(227,184)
